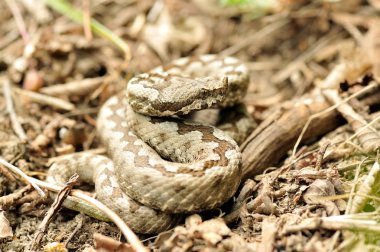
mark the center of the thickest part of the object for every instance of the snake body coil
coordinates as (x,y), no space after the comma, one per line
(160,166)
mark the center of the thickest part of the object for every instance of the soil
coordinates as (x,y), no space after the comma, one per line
(292,201)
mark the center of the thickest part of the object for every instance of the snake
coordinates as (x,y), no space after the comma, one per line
(162,163)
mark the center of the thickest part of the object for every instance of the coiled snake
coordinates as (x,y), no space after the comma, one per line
(160,167)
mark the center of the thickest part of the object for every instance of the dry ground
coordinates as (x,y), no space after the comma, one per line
(301,202)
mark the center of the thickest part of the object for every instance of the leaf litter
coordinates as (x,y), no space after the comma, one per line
(323,196)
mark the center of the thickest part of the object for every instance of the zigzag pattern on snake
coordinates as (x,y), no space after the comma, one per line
(159,166)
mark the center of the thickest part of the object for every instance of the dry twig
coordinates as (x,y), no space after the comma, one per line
(255,37)
(87,20)
(326,111)
(263,203)
(80,87)
(53,210)
(271,140)
(12,114)
(127,232)
(65,8)
(245,192)
(342,222)
(45,99)
(19,20)
(7,174)
(30,202)
(108,244)
(8,200)
(301,59)
(320,155)
(368,137)
(25,177)
(359,131)
(79,226)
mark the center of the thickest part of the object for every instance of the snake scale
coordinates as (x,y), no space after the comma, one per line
(160,163)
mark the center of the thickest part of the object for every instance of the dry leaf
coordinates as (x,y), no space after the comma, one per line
(190,34)
(211,234)
(107,244)
(316,193)
(216,226)
(5,228)
(163,34)
(159,34)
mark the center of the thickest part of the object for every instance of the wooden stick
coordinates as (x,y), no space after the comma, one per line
(307,118)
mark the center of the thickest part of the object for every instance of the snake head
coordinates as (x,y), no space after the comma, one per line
(159,94)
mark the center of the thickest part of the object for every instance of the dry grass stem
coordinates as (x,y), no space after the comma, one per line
(77,228)
(283,74)
(341,222)
(369,137)
(46,100)
(313,94)
(255,37)
(65,8)
(80,87)
(353,188)
(354,19)
(359,131)
(327,110)
(26,178)
(367,187)
(320,155)
(127,232)
(16,125)
(87,19)
(19,20)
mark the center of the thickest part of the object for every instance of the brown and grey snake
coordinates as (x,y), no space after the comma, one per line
(161,165)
